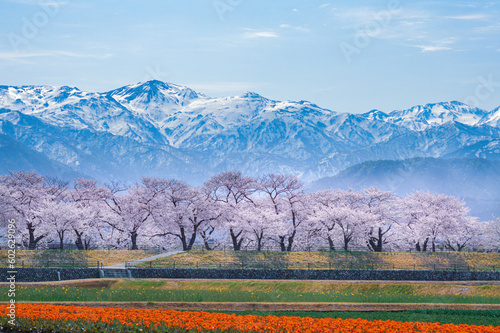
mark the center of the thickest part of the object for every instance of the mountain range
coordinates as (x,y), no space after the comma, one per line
(168,130)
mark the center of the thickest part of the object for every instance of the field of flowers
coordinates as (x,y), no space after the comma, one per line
(42,318)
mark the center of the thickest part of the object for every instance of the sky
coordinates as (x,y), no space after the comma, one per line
(347,56)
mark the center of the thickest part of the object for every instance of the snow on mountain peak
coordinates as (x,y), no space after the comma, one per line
(492,118)
(421,117)
(375,115)
(155,99)
(251,95)
(155,91)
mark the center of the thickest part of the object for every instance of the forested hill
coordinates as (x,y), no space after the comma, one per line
(474,180)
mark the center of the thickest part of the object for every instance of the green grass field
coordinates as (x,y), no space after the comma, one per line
(257,291)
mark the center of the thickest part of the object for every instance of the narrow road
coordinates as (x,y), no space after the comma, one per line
(262,306)
(139,261)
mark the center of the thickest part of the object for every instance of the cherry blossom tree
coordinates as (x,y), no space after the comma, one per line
(491,235)
(89,210)
(261,218)
(465,232)
(24,193)
(275,209)
(231,190)
(129,214)
(58,216)
(381,215)
(433,217)
(181,211)
(290,203)
(339,212)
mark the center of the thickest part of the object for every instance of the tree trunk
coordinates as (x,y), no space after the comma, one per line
(133,238)
(330,243)
(424,249)
(205,234)
(79,241)
(347,239)
(259,237)
(61,239)
(86,243)
(192,239)
(234,238)
(282,243)
(207,246)
(183,240)
(33,241)
(290,241)
(375,243)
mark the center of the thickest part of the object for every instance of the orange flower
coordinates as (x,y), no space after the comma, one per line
(203,321)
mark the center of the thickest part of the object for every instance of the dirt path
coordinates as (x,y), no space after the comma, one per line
(143,260)
(107,282)
(261,306)
(226,306)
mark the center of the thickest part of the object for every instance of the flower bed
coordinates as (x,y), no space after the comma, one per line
(178,321)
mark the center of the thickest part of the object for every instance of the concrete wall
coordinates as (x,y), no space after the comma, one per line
(50,274)
(314,274)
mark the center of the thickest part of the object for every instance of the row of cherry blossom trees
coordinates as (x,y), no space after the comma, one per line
(235,211)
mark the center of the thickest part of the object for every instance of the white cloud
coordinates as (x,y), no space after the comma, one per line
(397,23)
(24,55)
(439,45)
(260,34)
(471,17)
(488,29)
(432,48)
(288,26)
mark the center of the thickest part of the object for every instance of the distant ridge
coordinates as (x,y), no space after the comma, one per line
(474,180)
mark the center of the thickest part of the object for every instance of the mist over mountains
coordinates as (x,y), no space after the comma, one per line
(476,180)
(167,130)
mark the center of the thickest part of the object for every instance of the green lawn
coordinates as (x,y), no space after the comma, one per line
(258,291)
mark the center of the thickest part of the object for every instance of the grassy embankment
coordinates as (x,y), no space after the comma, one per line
(85,258)
(333,260)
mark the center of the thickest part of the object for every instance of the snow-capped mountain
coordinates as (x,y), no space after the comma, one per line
(163,129)
(492,118)
(422,117)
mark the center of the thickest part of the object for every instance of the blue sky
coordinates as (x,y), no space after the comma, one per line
(348,56)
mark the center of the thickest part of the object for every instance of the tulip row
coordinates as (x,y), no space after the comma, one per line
(180,321)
